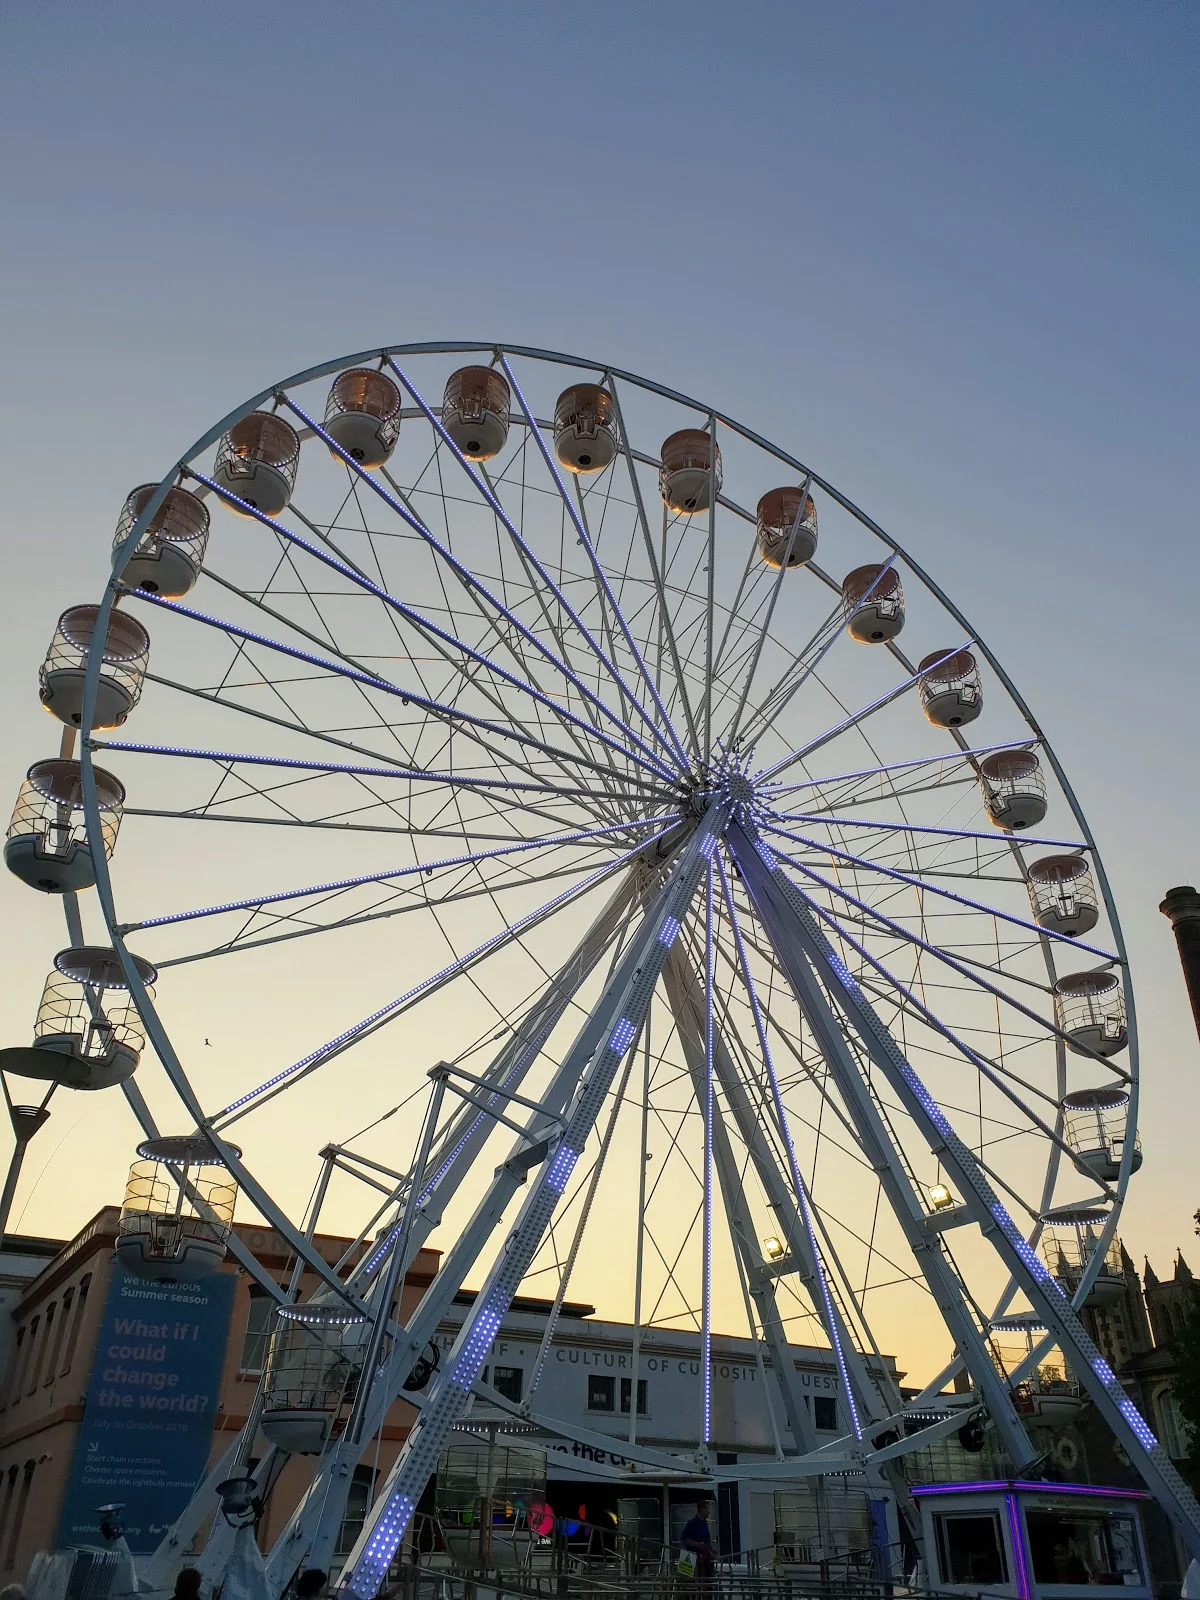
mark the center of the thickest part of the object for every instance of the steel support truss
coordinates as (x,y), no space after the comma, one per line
(835,1007)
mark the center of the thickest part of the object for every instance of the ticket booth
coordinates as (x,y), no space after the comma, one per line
(1033,1541)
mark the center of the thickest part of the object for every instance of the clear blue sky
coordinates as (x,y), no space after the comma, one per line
(948,251)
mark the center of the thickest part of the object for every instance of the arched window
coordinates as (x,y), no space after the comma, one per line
(14,1367)
(18,1522)
(10,1484)
(39,1355)
(60,1328)
(76,1322)
(26,1357)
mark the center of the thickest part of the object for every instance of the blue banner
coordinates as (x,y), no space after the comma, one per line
(151,1403)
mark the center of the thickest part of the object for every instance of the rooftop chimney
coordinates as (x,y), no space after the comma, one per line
(1182,906)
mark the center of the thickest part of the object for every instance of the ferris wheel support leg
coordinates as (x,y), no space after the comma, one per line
(801,932)
(323,1503)
(595,1056)
(765,887)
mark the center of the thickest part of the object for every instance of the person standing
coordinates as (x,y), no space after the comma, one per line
(697,1536)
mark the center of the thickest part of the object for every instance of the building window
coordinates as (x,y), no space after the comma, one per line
(60,1328)
(42,1350)
(14,1533)
(259,1323)
(1082,1546)
(14,1367)
(10,1484)
(825,1413)
(970,1548)
(76,1323)
(27,1355)
(626,1392)
(509,1381)
(358,1503)
(601,1394)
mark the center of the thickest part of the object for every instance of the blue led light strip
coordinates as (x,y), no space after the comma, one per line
(946,894)
(547,841)
(831,1317)
(290,763)
(469,579)
(710,977)
(431,628)
(897,766)
(912,938)
(335,1045)
(457,718)
(996,837)
(855,717)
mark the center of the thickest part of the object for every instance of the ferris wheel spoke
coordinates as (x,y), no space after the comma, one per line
(431,630)
(543,573)
(471,581)
(795,677)
(868,864)
(644,673)
(296,764)
(994,1071)
(765,624)
(967,968)
(429,986)
(421,868)
(864,774)
(827,819)
(242,942)
(856,718)
(683,988)
(469,724)
(857,1387)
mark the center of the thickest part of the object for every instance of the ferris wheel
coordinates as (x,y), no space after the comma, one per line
(501,739)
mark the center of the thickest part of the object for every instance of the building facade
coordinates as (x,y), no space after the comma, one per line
(76,1361)
(121,1390)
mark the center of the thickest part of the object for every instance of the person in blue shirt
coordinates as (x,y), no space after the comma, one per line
(698,1537)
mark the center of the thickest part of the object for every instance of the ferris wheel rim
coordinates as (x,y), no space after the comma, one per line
(535,354)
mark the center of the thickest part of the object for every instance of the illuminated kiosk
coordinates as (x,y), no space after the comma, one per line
(1032,1541)
(178,1210)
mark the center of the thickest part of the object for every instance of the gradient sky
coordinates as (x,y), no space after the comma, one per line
(948,250)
